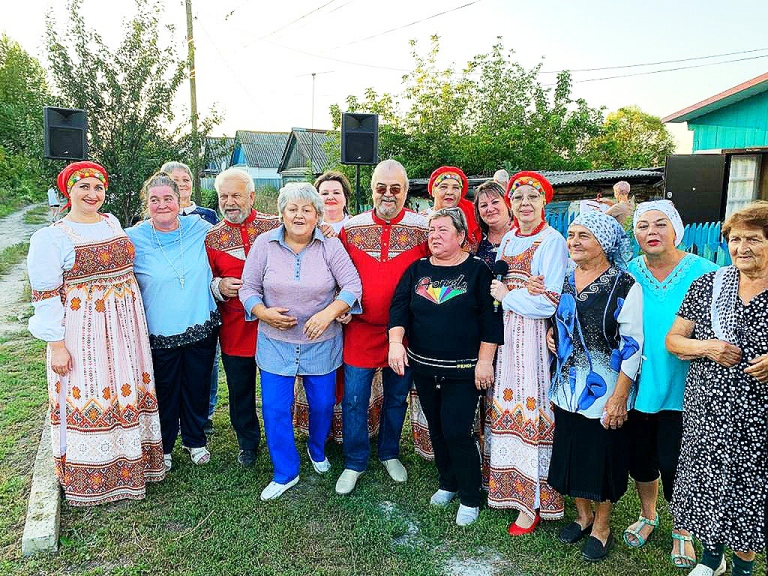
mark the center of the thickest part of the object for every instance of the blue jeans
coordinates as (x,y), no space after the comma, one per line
(277,401)
(357,395)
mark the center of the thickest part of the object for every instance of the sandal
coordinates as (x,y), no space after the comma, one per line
(199,455)
(639,541)
(681,559)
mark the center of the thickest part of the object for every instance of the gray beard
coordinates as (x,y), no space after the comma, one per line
(237,220)
(386,214)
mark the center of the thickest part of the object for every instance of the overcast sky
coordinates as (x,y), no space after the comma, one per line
(255,58)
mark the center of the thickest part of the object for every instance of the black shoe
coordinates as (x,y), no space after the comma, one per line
(247,457)
(593,550)
(208,427)
(573,533)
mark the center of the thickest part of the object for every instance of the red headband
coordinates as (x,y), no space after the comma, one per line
(475,234)
(77,171)
(449,171)
(534,179)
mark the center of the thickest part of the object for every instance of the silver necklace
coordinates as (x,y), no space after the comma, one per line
(179,275)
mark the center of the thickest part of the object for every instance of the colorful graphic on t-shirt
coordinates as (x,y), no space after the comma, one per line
(441,291)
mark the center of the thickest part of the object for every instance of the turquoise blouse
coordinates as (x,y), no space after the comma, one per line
(176,315)
(662,376)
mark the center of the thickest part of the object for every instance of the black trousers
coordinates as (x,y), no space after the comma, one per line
(450,406)
(183,382)
(655,450)
(241,381)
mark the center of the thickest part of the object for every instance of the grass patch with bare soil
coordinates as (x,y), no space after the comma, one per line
(208,520)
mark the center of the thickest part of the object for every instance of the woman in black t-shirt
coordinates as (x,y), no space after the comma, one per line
(444,307)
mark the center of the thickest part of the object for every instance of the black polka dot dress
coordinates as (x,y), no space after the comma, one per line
(721,489)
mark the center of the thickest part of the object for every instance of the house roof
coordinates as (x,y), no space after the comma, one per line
(218,149)
(731,96)
(261,149)
(565,179)
(304,145)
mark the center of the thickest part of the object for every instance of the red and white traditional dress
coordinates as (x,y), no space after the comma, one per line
(519,424)
(85,293)
(381,251)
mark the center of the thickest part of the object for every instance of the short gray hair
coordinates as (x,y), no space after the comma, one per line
(457,217)
(234,174)
(501,176)
(169,167)
(294,191)
(388,165)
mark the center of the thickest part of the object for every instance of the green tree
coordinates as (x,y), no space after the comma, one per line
(128,95)
(23,93)
(493,113)
(630,138)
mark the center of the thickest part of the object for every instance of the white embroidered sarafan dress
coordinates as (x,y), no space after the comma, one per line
(84,292)
(519,425)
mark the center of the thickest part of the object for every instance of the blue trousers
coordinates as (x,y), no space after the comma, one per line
(277,401)
(357,395)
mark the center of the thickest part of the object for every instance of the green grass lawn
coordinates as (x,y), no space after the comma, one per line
(209,519)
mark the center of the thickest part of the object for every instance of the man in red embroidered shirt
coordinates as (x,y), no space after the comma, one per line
(228,244)
(382,243)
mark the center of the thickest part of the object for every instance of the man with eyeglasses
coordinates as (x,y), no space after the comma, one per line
(382,243)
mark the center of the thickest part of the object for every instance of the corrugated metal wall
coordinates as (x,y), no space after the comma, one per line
(740,125)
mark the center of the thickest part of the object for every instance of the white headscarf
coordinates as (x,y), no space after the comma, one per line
(668,209)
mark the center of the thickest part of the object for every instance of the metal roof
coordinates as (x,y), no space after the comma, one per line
(305,145)
(733,95)
(218,150)
(562,179)
(261,149)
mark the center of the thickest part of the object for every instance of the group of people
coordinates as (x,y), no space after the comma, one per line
(574,367)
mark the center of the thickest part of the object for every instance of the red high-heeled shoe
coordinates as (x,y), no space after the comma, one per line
(515,530)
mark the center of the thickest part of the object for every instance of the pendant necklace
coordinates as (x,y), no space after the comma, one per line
(179,275)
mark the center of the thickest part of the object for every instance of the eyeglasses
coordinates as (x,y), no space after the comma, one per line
(518,198)
(393,188)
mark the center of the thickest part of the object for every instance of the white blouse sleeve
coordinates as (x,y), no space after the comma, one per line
(630,321)
(550,261)
(51,252)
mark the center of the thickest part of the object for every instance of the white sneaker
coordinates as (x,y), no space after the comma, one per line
(442,498)
(347,481)
(466,515)
(320,467)
(701,570)
(275,490)
(396,470)
(168,462)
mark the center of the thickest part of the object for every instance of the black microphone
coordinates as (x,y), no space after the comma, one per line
(500,269)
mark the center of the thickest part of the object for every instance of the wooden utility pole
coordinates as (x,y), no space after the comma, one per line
(193,106)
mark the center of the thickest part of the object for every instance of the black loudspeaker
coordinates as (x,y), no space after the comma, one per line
(65,130)
(359,138)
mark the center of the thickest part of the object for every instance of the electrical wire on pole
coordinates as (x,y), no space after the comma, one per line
(193,106)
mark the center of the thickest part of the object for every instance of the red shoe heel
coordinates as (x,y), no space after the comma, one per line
(515,530)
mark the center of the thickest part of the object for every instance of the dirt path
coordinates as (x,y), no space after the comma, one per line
(13,230)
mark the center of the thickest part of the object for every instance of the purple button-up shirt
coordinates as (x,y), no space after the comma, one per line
(305,283)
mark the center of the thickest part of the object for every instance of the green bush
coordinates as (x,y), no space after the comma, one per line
(210,199)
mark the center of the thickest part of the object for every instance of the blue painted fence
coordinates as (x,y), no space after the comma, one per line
(702,239)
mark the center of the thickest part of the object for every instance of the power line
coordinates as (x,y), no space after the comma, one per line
(655,63)
(297,19)
(227,16)
(664,70)
(235,74)
(407,25)
(337,59)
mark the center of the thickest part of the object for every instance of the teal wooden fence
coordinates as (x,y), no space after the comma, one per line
(702,239)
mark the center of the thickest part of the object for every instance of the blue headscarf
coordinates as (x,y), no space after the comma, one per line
(609,233)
